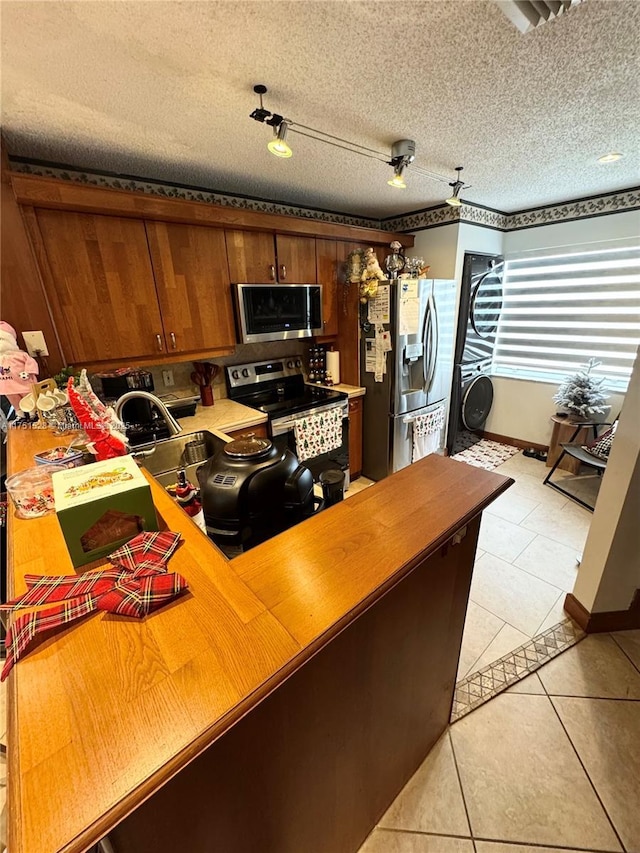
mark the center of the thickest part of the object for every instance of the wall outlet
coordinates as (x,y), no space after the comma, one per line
(167,378)
(35,343)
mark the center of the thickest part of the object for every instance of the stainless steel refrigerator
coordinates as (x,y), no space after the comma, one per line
(419,367)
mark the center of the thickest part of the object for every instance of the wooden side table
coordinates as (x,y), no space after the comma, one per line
(563,430)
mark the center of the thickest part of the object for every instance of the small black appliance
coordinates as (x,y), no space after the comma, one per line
(251,490)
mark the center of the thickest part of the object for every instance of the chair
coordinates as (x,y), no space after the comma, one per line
(580,452)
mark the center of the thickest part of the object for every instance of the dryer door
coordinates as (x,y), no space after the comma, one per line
(476,403)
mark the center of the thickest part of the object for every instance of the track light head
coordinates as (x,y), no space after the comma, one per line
(458,186)
(278,145)
(403,153)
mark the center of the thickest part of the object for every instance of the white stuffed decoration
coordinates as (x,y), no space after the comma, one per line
(371,275)
(17,369)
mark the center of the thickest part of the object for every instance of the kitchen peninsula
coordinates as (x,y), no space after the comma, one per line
(278,706)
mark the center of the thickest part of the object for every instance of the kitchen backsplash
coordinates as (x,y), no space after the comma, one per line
(182,370)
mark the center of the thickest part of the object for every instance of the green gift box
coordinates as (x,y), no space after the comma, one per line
(101,506)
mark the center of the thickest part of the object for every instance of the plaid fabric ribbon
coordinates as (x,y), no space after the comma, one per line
(138,584)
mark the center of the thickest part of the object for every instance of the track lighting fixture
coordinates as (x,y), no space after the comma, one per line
(403,153)
(457,185)
(397,180)
(402,158)
(278,146)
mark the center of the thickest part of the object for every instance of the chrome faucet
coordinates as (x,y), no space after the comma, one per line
(171,422)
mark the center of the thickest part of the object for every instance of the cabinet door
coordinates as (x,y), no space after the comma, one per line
(100,285)
(355,437)
(296,258)
(252,257)
(327,271)
(260,431)
(192,279)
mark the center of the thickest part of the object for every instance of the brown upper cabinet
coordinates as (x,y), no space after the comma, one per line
(296,259)
(192,279)
(100,286)
(124,288)
(327,270)
(256,257)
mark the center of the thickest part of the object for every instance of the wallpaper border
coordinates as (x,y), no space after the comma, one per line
(619,201)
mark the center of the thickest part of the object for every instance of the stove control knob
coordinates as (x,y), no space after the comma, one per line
(235,374)
(245,373)
(298,362)
(290,364)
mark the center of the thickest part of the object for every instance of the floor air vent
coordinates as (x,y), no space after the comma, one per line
(224,480)
(526,15)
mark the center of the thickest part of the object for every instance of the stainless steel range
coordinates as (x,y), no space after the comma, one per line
(278,388)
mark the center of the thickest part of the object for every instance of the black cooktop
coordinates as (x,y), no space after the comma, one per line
(277,405)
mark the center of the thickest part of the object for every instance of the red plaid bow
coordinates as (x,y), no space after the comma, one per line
(137,585)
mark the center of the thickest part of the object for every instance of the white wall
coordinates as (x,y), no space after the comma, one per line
(613,227)
(438,248)
(522,409)
(610,571)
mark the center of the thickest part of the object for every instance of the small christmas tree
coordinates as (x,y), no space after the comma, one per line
(582,395)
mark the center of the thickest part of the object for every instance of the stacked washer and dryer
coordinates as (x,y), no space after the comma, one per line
(478,316)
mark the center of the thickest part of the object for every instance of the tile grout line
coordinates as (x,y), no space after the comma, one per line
(399,831)
(553,847)
(586,772)
(531,636)
(624,652)
(531,575)
(470,670)
(554,539)
(550,609)
(459,778)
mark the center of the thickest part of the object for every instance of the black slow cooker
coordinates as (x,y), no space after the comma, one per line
(251,490)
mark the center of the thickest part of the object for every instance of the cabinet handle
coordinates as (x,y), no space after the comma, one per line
(283,271)
(159,339)
(272,272)
(173,340)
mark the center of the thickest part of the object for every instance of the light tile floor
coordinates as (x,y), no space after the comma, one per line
(525,564)
(554,761)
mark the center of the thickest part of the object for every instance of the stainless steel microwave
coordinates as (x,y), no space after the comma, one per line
(277,312)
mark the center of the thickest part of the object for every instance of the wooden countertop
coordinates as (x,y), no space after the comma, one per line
(104,713)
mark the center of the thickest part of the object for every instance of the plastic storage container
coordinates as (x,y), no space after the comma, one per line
(68,457)
(31,490)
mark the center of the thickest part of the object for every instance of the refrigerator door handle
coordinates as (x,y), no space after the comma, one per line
(434,341)
(430,342)
(426,339)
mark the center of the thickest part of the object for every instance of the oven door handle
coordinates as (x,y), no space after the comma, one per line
(280,427)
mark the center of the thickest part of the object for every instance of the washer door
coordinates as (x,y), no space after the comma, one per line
(486,302)
(476,403)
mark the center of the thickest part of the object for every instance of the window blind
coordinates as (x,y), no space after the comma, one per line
(560,310)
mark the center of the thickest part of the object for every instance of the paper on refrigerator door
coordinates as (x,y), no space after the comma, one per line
(379,306)
(408,288)
(370,356)
(409,316)
(382,347)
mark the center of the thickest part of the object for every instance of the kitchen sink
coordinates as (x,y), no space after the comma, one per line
(185,450)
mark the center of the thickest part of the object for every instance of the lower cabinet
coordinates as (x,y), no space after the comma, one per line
(355,437)
(312,767)
(259,431)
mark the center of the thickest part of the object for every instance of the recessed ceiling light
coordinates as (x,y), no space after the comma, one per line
(611,157)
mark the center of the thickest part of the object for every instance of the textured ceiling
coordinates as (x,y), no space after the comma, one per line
(164,90)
